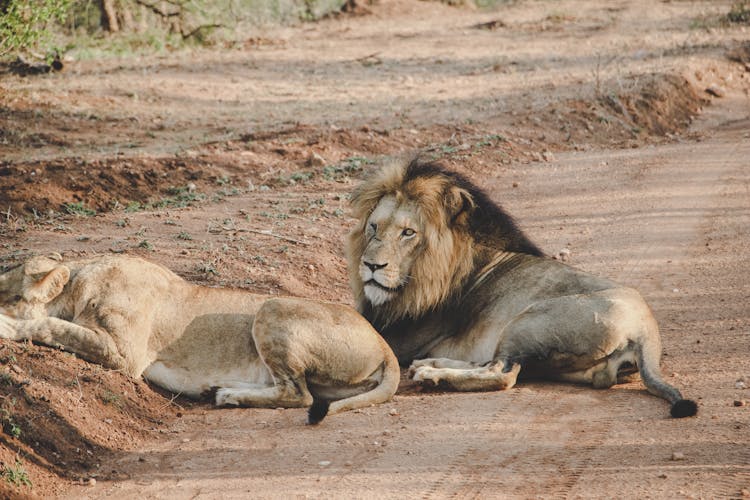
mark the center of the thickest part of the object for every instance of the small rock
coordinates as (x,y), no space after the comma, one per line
(740,384)
(16,369)
(186,440)
(393,412)
(563,255)
(92,481)
(715,91)
(548,156)
(739,402)
(745,492)
(515,184)
(678,455)
(662,476)
(324,463)
(315,160)
(191,187)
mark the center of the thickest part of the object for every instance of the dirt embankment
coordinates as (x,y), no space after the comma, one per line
(233,168)
(658,106)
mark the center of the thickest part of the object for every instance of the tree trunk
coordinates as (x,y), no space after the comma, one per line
(110,16)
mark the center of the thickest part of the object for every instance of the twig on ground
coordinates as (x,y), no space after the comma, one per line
(265,232)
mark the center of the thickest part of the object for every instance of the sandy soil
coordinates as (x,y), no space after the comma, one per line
(589,121)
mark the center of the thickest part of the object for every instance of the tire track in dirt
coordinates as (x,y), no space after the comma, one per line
(516,451)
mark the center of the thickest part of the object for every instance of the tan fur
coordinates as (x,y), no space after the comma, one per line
(458,290)
(132,315)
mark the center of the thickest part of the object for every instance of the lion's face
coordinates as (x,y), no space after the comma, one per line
(393,236)
(411,247)
(27,289)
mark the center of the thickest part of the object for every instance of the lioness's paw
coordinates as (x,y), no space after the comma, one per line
(8,327)
(225,397)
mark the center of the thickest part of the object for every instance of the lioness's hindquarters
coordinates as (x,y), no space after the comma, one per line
(317,350)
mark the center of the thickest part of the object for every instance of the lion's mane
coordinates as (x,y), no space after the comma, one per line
(462,230)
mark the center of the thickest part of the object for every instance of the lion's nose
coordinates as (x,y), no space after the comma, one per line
(374,267)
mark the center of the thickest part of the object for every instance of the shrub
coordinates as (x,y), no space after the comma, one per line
(24,23)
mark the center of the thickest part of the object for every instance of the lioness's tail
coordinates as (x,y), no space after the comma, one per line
(380,394)
(648,364)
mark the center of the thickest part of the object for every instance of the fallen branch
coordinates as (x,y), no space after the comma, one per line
(266,232)
(187,35)
(158,11)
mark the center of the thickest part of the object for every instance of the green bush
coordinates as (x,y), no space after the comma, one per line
(25,23)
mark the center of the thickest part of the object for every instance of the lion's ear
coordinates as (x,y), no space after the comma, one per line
(460,204)
(49,285)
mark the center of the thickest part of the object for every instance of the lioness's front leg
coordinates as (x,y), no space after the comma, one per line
(497,375)
(56,332)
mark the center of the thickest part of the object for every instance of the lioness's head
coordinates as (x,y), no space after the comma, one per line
(26,289)
(420,230)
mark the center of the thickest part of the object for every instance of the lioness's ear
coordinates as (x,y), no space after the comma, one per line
(35,267)
(50,286)
(459,204)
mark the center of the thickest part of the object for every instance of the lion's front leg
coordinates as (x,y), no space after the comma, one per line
(440,363)
(55,332)
(497,375)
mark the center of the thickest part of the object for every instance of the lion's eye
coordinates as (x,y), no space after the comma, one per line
(408,232)
(373,227)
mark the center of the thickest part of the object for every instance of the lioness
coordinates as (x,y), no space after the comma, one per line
(444,273)
(132,315)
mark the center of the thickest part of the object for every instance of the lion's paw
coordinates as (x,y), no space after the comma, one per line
(226,397)
(419,363)
(427,374)
(8,327)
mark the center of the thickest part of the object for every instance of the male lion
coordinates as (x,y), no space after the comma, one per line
(443,273)
(132,315)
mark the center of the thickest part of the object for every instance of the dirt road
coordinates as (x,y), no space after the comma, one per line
(668,220)
(572,115)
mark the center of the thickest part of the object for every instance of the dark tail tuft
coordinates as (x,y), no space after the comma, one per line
(318,411)
(684,408)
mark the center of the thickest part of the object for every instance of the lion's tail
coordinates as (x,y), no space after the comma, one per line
(648,364)
(380,394)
